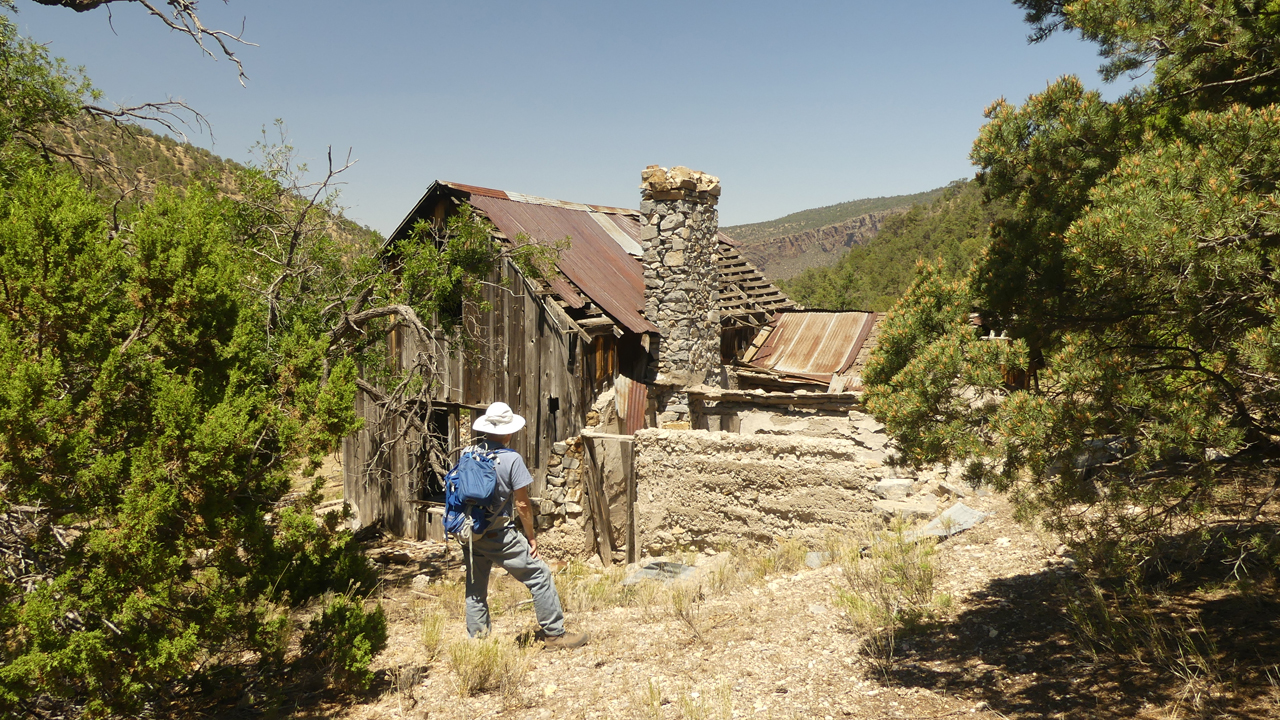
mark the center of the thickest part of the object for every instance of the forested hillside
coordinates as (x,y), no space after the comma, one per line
(952,227)
(127,163)
(129,158)
(816,218)
(808,239)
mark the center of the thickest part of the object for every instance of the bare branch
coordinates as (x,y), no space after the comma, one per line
(181,16)
(168,114)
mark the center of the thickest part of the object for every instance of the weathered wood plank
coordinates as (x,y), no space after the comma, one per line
(629,478)
(606,436)
(599,504)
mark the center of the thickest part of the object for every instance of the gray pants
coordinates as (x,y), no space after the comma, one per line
(509,549)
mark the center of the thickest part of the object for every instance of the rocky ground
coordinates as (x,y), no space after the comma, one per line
(763,635)
(764,645)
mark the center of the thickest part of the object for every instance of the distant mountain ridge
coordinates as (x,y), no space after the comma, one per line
(792,244)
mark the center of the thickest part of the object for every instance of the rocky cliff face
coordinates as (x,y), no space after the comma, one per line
(784,257)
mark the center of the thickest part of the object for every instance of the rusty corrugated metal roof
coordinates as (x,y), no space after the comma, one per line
(595,261)
(814,345)
(603,259)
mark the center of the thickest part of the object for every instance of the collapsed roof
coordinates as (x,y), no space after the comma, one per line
(601,272)
(814,348)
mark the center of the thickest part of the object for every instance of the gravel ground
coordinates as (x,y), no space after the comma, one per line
(771,646)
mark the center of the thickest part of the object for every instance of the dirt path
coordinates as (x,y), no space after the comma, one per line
(771,647)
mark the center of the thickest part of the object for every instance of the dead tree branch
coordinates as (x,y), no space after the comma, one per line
(180,16)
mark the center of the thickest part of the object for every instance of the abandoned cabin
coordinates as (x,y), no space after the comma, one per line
(643,303)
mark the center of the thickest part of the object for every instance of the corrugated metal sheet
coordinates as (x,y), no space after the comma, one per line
(632,400)
(628,243)
(813,345)
(594,260)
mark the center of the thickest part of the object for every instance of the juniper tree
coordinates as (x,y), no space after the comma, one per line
(1135,282)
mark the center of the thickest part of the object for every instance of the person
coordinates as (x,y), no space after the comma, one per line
(503,545)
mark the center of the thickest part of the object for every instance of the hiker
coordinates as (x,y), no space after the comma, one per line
(504,545)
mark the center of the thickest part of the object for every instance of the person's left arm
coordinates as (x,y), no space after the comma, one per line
(520,482)
(524,509)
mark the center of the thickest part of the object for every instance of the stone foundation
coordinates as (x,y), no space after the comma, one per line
(562,498)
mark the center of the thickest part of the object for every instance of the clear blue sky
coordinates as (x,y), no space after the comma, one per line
(793,104)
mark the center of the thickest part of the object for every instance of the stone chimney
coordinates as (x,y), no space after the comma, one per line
(681,272)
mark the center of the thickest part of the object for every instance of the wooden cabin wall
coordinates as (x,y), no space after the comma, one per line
(523,358)
(378,478)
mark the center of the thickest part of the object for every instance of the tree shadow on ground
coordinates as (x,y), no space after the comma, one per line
(1016,648)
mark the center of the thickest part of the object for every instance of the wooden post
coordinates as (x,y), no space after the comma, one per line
(628,448)
(599,504)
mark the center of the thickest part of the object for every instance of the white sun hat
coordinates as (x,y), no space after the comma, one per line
(498,420)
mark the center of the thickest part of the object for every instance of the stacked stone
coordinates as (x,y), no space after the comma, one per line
(562,497)
(681,273)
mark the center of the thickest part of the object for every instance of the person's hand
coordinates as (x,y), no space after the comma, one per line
(533,548)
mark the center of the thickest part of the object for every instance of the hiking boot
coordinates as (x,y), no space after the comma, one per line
(565,641)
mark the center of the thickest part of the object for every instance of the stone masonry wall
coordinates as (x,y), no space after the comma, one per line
(681,274)
(562,497)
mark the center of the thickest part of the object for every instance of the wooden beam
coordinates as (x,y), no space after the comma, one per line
(603,534)
(605,436)
(629,480)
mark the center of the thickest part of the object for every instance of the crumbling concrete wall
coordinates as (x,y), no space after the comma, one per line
(786,475)
(712,489)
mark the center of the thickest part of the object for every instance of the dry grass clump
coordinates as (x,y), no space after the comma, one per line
(1121,622)
(890,587)
(646,702)
(584,588)
(786,556)
(449,596)
(691,703)
(714,705)
(487,665)
(431,632)
(686,605)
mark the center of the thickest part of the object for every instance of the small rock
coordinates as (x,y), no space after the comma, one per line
(917,507)
(815,559)
(394,557)
(892,488)
(559,448)
(420,582)
(872,441)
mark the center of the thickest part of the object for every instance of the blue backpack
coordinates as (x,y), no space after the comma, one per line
(470,492)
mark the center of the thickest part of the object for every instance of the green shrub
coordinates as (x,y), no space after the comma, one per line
(343,639)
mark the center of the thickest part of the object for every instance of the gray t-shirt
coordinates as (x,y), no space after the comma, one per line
(511,474)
